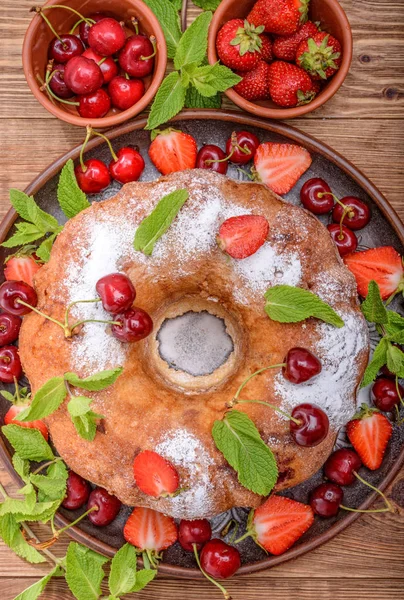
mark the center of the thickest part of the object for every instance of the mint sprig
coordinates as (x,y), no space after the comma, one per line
(36,589)
(71,198)
(28,443)
(84,572)
(207,4)
(372,307)
(167,15)
(288,304)
(10,533)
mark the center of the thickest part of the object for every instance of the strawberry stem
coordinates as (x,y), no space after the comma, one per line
(154,44)
(208,577)
(242,386)
(388,507)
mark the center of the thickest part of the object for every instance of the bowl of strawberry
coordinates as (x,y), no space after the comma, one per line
(292,55)
(100,63)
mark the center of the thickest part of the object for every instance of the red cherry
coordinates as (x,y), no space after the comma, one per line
(219,560)
(57,82)
(358,215)
(131,57)
(212,152)
(13,291)
(313,425)
(128,167)
(67,47)
(326,499)
(346,241)
(134,325)
(9,328)
(125,92)
(95,178)
(84,27)
(245,140)
(94,105)
(82,75)
(13,411)
(10,364)
(196,532)
(386,371)
(108,66)
(309,196)
(384,394)
(116,291)
(108,507)
(106,37)
(340,465)
(77,492)
(301,365)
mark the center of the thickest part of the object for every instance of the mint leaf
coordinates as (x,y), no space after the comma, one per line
(377,361)
(395,359)
(194,42)
(35,590)
(210,79)
(47,399)
(168,18)
(177,4)
(239,441)
(207,4)
(122,577)
(288,304)
(143,577)
(84,419)
(28,209)
(84,572)
(21,467)
(159,220)
(372,307)
(11,534)
(14,506)
(168,101)
(28,443)
(51,486)
(44,250)
(194,99)
(26,233)
(395,323)
(42,511)
(96,382)
(71,198)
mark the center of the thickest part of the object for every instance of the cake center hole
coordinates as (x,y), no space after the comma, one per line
(195,342)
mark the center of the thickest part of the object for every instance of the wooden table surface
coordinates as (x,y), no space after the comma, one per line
(365,123)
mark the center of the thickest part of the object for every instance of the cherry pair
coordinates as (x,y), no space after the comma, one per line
(240,149)
(105,506)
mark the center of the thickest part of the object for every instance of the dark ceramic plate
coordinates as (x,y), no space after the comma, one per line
(385,228)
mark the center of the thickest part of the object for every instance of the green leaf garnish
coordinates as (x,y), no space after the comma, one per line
(28,443)
(194,42)
(168,101)
(71,198)
(211,79)
(379,359)
(47,399)
(372,307)
(10,532)
(84,419)
(207,4)
(96,382)
(35,590)
(239,441)
(168,18)
(84,572)
(288,304)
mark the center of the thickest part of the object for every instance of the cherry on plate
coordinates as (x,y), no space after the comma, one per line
(108,507)
(340,466)
(125,92)
(116,291)
(134,325)
(326,499)
(358,215)
(316,196)
(384,394)
(94,105)
(9,328)
(219,560)
(128,166)
(137,56)
(94,178)
(10,364)
(106,37)
(12,292)
(196,532)
(208,158)
(239,141)
(67,47)
(82,75)
(300,365)
(345,239)
(313,425)
(77,491)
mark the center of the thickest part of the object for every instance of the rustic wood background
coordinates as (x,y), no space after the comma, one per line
(364,122)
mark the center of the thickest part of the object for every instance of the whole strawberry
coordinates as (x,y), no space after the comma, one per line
(255,84)
(319,55)
(239,45)
(285,46)
(279,16)
(289,85)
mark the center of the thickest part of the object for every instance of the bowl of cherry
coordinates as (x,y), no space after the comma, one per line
(98,63)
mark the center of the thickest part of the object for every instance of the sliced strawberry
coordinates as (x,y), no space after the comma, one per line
(280,166)
(280,522)
(172,150)
(383,265)
(369,433)
(243,236)
(10,418)
(148,529)
(155,475)
(21,268)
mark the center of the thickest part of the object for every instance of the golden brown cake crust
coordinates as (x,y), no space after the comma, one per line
(152,407)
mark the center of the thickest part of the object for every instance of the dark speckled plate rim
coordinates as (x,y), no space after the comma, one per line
(314,146)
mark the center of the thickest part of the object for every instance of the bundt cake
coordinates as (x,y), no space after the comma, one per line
(176,382)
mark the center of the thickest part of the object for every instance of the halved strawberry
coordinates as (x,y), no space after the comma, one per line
(172,150)
(11,418)
(369,433)
(278,523)
(383,265)
(21,268)
(242,236)
(148,529)
(155,475)
(280,166)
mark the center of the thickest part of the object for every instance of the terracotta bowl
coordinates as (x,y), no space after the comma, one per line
(333,20)
(38,36)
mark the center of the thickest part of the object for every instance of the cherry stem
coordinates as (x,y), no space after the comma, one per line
(93,321)
(242,386)
(3,492)
(234,145)
(398,391)
(102,61)
(104,137)
(5,359)
(391,298)
(388,507)
(154,44)
(135,24)
(70,306)
(275,408)
(79,22)
(38,312)
(89,132)
(39,10)
(349,210)
(216,583)
(46,86)
(47,464)
(80,518)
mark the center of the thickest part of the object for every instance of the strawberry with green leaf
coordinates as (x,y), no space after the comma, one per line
(240,45)
(290,85)
(319,55)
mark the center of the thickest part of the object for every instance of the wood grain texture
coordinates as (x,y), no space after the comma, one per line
(365,123)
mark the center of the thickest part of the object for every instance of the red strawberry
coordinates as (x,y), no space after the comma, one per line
(384,265)
(284,47)
(148,529)
(172,150)
(11,418)
(243,236)
(254,85)
(21,268)
(266,49)
(369,433)
(279,16)
(319,55)
(240,45)
(289,85)
(155,475)
(280,166)
(278,523)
